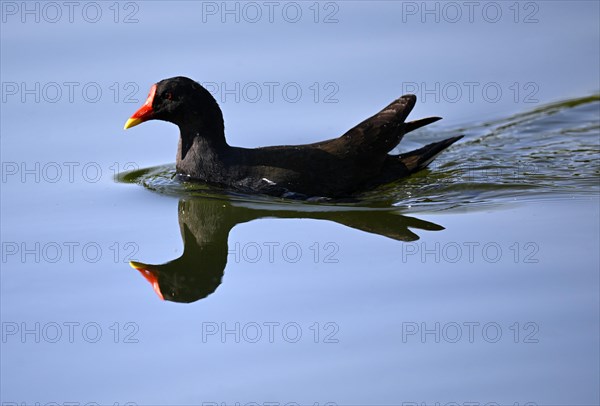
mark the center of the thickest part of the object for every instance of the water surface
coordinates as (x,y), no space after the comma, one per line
(475,280)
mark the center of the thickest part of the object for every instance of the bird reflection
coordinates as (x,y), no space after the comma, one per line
(205,225)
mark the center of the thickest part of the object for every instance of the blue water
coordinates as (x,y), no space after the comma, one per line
(476,280)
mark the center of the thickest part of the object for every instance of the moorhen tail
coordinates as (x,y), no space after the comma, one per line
(340,167)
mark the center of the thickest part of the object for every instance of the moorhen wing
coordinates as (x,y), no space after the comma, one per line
(341,167)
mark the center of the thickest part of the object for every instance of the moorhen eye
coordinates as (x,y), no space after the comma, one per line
(357,161)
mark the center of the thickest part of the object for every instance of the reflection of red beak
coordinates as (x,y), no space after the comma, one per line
(144,113)
(151,276)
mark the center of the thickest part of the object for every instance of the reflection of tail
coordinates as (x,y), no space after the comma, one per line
(388,224)
(420,158)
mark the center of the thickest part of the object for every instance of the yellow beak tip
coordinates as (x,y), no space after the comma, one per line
(132,122)
(136,265)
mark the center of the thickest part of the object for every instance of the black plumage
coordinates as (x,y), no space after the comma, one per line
(357,161)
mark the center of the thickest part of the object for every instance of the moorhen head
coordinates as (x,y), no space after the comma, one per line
(180,101)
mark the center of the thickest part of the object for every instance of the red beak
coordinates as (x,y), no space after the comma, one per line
(150,275)
(144,113)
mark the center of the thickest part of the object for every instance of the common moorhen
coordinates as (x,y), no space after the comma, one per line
(355,162)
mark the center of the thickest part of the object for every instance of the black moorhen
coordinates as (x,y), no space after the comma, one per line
(355,162)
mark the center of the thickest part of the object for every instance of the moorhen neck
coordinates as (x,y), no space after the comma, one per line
(353,163)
